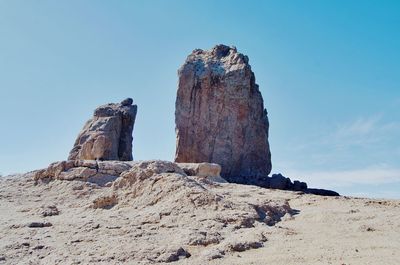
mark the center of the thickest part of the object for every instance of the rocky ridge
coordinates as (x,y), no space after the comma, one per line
(155,213)
(155,201)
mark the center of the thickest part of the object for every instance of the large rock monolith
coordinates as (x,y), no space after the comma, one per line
(108,135)
(220,115)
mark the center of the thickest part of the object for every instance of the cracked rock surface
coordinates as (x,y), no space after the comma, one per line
(108,135)
(220,116)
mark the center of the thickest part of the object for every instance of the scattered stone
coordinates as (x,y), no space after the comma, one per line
(172,255)
(220,116)
(50,211)
(105,202)
(366,228)
(204,238)
(38,247)
(271,214)
(114,227)
(39,224)
(108,135)
(201,169)
(208,172)
(243,246)
(214,254)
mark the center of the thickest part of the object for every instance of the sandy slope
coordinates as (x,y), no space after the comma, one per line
(328,230)
(210,222)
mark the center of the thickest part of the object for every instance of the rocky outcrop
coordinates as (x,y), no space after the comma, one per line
(280,182)
(167,213)
(206,171)
(220,116)
(104,173)
(101,173)
(201,169)
(108,135)
(322,192)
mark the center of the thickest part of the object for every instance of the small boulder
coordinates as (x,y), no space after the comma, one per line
(280,182)
(299,186)
(38,224)
(201,169)
(50,211)
(173,254)
(105,202)
(213,254)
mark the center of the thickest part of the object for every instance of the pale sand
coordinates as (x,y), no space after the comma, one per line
(322,230)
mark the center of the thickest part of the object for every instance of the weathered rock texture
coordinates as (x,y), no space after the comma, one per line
(201,169)
(153,213)
(108,135)
(145,212)
(220,116)
(280,182)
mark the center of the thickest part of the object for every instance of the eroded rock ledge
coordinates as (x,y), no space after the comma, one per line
(191,200)
(104,173)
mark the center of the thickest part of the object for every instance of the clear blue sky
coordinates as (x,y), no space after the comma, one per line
(329,72)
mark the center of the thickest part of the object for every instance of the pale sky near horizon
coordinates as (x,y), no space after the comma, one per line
(329,72)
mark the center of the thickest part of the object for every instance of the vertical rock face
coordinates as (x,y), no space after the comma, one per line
(220,116)
(108,135)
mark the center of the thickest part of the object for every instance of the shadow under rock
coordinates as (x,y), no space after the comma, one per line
(102,180)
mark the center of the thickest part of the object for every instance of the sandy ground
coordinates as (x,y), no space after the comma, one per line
(315,230)
(329,230)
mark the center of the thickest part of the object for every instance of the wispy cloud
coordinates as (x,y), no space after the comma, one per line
(377,181)
(359,127)
(361,132)
(354,156)
(342,178)
(364,131)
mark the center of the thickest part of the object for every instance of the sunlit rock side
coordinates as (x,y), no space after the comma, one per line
(220,115)
(108,135)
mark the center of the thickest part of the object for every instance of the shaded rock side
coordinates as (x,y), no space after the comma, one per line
(280,182)
(108,135)
(220,116)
